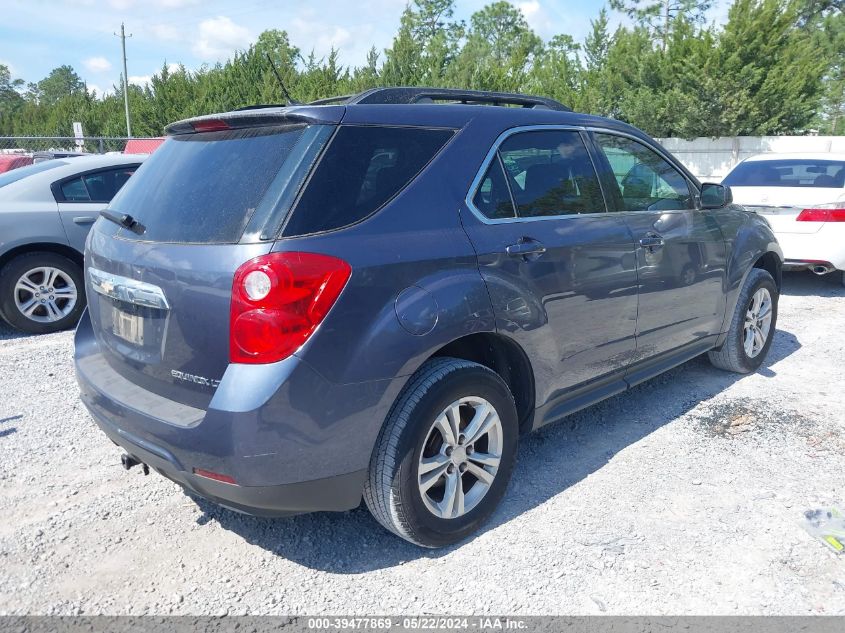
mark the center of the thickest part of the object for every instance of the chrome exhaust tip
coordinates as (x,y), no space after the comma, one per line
(819,269)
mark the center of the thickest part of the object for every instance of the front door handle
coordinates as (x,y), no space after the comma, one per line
(527,249)
(84,219)
(652,241)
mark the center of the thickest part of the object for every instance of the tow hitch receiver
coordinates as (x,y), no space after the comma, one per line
(129,462)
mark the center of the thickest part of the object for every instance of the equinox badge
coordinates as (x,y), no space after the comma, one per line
(198,380)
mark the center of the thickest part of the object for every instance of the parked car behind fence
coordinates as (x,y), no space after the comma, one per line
(46,211)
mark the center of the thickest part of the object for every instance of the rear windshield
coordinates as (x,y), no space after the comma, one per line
(788,173)
(22,172)
(362,169)
(203,188)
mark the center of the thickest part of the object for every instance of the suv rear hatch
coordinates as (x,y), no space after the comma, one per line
(212,197)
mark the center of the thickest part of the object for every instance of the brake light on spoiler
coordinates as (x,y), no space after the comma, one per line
(210,125)
(821,214)
(278,300)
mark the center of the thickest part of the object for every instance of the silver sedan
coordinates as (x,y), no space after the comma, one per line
(46,210)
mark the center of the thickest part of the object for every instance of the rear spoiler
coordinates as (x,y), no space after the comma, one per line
(260,117)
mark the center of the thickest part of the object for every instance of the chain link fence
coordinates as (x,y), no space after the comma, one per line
(35,145)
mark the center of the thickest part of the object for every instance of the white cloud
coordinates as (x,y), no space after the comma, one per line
(536,16)
(101,92)
(219,37)
(140,80)
(124,5)
(166,32)
(309,32)
(176,4)
(97,64)
(529,9)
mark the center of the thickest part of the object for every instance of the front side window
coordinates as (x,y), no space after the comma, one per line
(645,179)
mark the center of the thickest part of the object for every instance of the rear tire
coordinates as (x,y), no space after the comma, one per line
(752,327)
(422,482)
(41,292)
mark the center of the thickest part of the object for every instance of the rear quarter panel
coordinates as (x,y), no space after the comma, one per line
(23,223)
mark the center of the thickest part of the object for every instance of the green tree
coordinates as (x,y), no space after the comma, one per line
(769,73)
(61,82)
(10,99)
(658,15)
(499,51)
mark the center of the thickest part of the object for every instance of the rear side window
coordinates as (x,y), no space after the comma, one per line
(100,186)
(103,185)
(203,188)
(362,169)
(550,173)
(75,191)
(788,173)
(493,198)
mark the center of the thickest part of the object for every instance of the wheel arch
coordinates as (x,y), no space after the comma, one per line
(41,247)
(772,264)
(505,357)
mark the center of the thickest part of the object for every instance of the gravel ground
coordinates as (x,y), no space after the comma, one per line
(682,496)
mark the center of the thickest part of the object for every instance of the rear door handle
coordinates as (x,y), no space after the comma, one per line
(526,248)
(652,241)
(84,219)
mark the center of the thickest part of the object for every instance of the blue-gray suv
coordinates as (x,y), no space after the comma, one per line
(292,308)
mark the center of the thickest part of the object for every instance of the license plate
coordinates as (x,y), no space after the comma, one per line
(129,327)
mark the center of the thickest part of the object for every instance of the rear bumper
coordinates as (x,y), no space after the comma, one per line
(292,441)
(801,250)
(338,493)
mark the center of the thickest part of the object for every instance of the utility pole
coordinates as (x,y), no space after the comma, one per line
(123,37)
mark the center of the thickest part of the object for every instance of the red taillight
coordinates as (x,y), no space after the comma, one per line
(278,300)
(210,125)
(226,479)
(821,215)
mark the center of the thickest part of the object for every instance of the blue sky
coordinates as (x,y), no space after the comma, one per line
(38,35)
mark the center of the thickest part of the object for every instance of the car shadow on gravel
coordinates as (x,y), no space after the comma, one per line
(806,284)
(7,333)
(550,461)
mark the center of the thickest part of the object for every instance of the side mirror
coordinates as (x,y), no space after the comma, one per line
(715,196)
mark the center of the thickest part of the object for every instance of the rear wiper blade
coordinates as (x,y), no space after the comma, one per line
(125,220)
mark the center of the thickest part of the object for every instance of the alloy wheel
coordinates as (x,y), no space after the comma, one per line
(45,294)
(460,457)
(758,323)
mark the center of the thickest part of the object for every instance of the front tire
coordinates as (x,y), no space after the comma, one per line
(41,292)
(444,457)
(752,327)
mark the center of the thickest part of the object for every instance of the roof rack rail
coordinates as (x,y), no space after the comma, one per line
(259,106)
(329,100)
(429,95)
